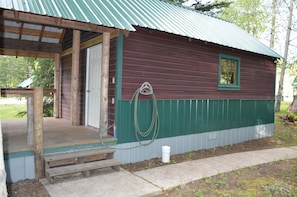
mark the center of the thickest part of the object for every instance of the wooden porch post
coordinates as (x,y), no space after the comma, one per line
(38,131)
(104,84)
(75,77)
(57,86)
(30,120)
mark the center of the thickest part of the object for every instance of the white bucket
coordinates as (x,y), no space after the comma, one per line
(165,154)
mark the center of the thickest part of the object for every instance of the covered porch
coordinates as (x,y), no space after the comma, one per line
(58,135)
(30,33)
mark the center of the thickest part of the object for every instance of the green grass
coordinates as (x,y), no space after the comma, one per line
(283,108)
(285,134)
(278,178)
(10,111)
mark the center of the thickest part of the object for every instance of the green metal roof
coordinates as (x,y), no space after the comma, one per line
(152,14)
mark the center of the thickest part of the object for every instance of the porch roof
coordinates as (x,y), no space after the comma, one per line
(152,14)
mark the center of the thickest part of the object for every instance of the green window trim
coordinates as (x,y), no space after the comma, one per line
(232,65)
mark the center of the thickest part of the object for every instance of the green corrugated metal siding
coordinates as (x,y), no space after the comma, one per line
(153,14)
(183,117)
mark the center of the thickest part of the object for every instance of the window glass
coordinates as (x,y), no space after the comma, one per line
(229,72)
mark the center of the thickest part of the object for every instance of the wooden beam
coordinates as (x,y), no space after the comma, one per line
(22,92)
(53,21)
(84,45)
(57,85)
(16,14)
(62,36)
(13,52)
(21,31)
(114,34)
(26,45)
(91,42)
(75,77)
(104,84)
(66,52)
(41,33)
(126,33)
(38,132)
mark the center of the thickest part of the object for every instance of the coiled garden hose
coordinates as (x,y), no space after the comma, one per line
(146,89)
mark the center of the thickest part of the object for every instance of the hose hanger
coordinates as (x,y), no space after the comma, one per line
(146,89)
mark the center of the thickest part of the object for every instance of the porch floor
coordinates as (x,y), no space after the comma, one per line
(57,133)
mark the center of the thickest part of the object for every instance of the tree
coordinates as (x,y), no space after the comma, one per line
(273,22)
(43,71)
(210,7)
(285,61)
(13,71)
(249,15)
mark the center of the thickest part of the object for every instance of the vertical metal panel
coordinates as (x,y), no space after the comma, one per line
(183,117)
(192,142)
(249,106)
(20,168)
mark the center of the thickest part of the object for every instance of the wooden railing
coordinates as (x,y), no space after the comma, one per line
(23,92)
(34,120)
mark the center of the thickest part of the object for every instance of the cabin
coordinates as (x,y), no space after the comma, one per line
(136,75)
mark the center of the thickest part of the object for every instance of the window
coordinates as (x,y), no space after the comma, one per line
(229,73)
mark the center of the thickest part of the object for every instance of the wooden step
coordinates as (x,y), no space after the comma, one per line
(82,167)
(78,154)
(79,161)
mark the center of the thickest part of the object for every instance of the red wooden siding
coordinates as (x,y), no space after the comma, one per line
(67,41)
(82,85)
(179,68)
(66,76)
(66,87)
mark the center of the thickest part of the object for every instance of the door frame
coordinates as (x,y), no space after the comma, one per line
(87,86)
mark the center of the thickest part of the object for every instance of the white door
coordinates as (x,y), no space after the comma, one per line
(93,85)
